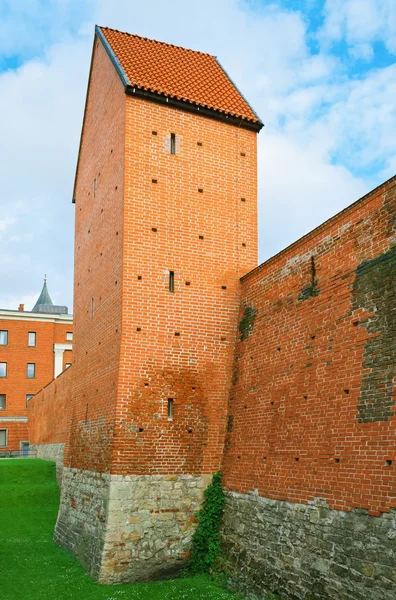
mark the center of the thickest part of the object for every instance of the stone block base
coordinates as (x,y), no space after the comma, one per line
(128,528)
(308,551)
(54,452)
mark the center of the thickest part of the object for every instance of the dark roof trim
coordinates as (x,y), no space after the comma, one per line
(240,93)
(174,102)
(194,108)
(154,97)
(112,56)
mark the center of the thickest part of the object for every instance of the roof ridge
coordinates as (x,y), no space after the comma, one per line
(147,39)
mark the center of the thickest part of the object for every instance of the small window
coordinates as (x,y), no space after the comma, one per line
(3,438)
(3,338)
(69,336)
(171,281)
(67,365)
(3,402)
(173,143)
(28,396)
(170,408)
(31,338)
(3,369)
(31,370)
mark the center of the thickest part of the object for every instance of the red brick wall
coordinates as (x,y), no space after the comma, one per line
(311,412)
(17,354)
(49,411)
(128,360)
(98,270)
(193,367)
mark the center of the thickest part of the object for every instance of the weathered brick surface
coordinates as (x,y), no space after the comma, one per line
(49,411)
(98,270)
(142,212)
(142,344)
(313,398)
(309,362)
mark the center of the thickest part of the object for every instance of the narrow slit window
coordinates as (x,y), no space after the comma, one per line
(171,281)
(173,143)
(170,408)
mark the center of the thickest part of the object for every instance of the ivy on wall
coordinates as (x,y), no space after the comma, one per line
(206,539)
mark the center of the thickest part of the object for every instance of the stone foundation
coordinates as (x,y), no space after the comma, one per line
(308,551)
(54,452)
(128,528)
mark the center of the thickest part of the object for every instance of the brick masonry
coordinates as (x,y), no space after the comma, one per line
(285,377)
(310,452)
(195,214)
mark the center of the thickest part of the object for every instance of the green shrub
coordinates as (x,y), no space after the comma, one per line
(206,539)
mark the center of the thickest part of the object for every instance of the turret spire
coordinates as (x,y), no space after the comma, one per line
(44,303)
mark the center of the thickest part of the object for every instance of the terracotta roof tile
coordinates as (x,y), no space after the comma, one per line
(176,72)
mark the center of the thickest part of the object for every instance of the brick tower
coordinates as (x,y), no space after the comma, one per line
(166,224)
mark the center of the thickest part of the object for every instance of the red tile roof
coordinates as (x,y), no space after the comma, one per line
(178,73)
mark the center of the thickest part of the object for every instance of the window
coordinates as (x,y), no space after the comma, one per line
(3,338)
(3,369)
(3,438)
(69,336)
(31,338)
(173,143)
(170,408)
(31,370)
(3,401)
(67,365)
(28,396)
(171,281)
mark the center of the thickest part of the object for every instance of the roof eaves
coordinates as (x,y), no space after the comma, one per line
(260,122)
(194,107)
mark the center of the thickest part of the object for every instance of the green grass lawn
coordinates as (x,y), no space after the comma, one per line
(33,567)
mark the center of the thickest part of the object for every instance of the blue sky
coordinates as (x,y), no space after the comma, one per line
(320,73)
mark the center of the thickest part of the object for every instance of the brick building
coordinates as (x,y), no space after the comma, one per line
(35,347)
(188,357)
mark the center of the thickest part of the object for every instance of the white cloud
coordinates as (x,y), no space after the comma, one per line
(5,223)
(360,23)
(29,25)
(314,114)
(43,101)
